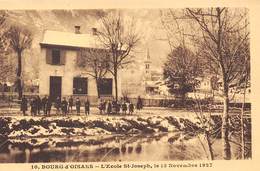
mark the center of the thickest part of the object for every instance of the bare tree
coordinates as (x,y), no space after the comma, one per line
(2,32)
(224,43)
(19,40)
(2,45)
(222,38)
(6,67)
(191,67)
(120,37)
(95,62)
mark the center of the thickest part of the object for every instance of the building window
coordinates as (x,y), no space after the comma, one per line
(106,86)
(80,85)
(147,66)
(55,57)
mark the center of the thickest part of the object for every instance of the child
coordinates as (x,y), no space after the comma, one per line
(24,104)
(64,106)
(131,108)
(109,107)
(33,107)
(100,106)
(78,106)
(57,105)
(70,104)
(124,108)
(49,105)
(87,106)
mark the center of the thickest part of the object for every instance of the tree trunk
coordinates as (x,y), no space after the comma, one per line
(116,88)
(242,124)
(19,71)
(209,145)
(98,87)
(225,123)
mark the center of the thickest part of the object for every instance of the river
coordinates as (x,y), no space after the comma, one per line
(141,147)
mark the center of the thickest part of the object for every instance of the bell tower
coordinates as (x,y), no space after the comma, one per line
(147,64)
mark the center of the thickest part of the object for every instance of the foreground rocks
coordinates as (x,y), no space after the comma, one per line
(83,126)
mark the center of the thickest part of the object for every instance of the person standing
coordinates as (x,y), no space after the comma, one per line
(139,104)
(119,105)
(109,107)
(33,106)
(64,106)
(104,104)
(70,104)
(100,106)
(87,107)
(131,108)
(78,104)
(48,106)
(44,104)
(58,105)
(38,104)
(124,107)
(114,106)
(24,104)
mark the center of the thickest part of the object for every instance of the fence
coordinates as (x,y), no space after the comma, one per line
(177,103)
(11,99)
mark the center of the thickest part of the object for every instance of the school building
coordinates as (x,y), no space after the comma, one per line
(59,74)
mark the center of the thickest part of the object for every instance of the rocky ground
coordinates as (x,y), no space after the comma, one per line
(31,131)
(13,127)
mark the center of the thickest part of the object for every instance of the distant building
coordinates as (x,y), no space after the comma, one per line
(153,79)
(147,63)
(211,85)
(205,84)
(59,74)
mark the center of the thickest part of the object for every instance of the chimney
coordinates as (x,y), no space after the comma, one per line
(94,31)
(77,29)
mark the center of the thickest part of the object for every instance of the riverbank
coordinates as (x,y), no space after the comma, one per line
(25,126)
(113,134)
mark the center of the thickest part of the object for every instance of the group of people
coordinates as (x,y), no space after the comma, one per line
(45,105)
(115,107)
(65,107)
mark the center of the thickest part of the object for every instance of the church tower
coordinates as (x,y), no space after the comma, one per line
(147,64)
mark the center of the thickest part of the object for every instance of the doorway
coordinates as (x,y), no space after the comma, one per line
(55,87)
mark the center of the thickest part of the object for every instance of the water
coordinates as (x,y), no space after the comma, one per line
(149,147)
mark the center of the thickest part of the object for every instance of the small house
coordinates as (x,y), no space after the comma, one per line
(59,74)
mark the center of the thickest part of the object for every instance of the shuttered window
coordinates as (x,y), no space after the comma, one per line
(80,61)
(62,57)
(55,56)
(48,56)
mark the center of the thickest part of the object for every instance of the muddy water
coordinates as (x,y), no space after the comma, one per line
(149,147)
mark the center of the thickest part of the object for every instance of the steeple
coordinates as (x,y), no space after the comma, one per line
(148,58)
(148,55)
(147,63)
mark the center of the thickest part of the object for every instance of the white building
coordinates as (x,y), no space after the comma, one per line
(58,71)
(153,80)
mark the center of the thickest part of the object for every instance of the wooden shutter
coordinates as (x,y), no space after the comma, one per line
(62,57)
(48,56)
(78,60)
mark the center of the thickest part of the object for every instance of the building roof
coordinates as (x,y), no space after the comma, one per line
(58,38)
(154,83)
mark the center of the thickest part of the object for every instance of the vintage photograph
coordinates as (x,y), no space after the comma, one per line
(121,85)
